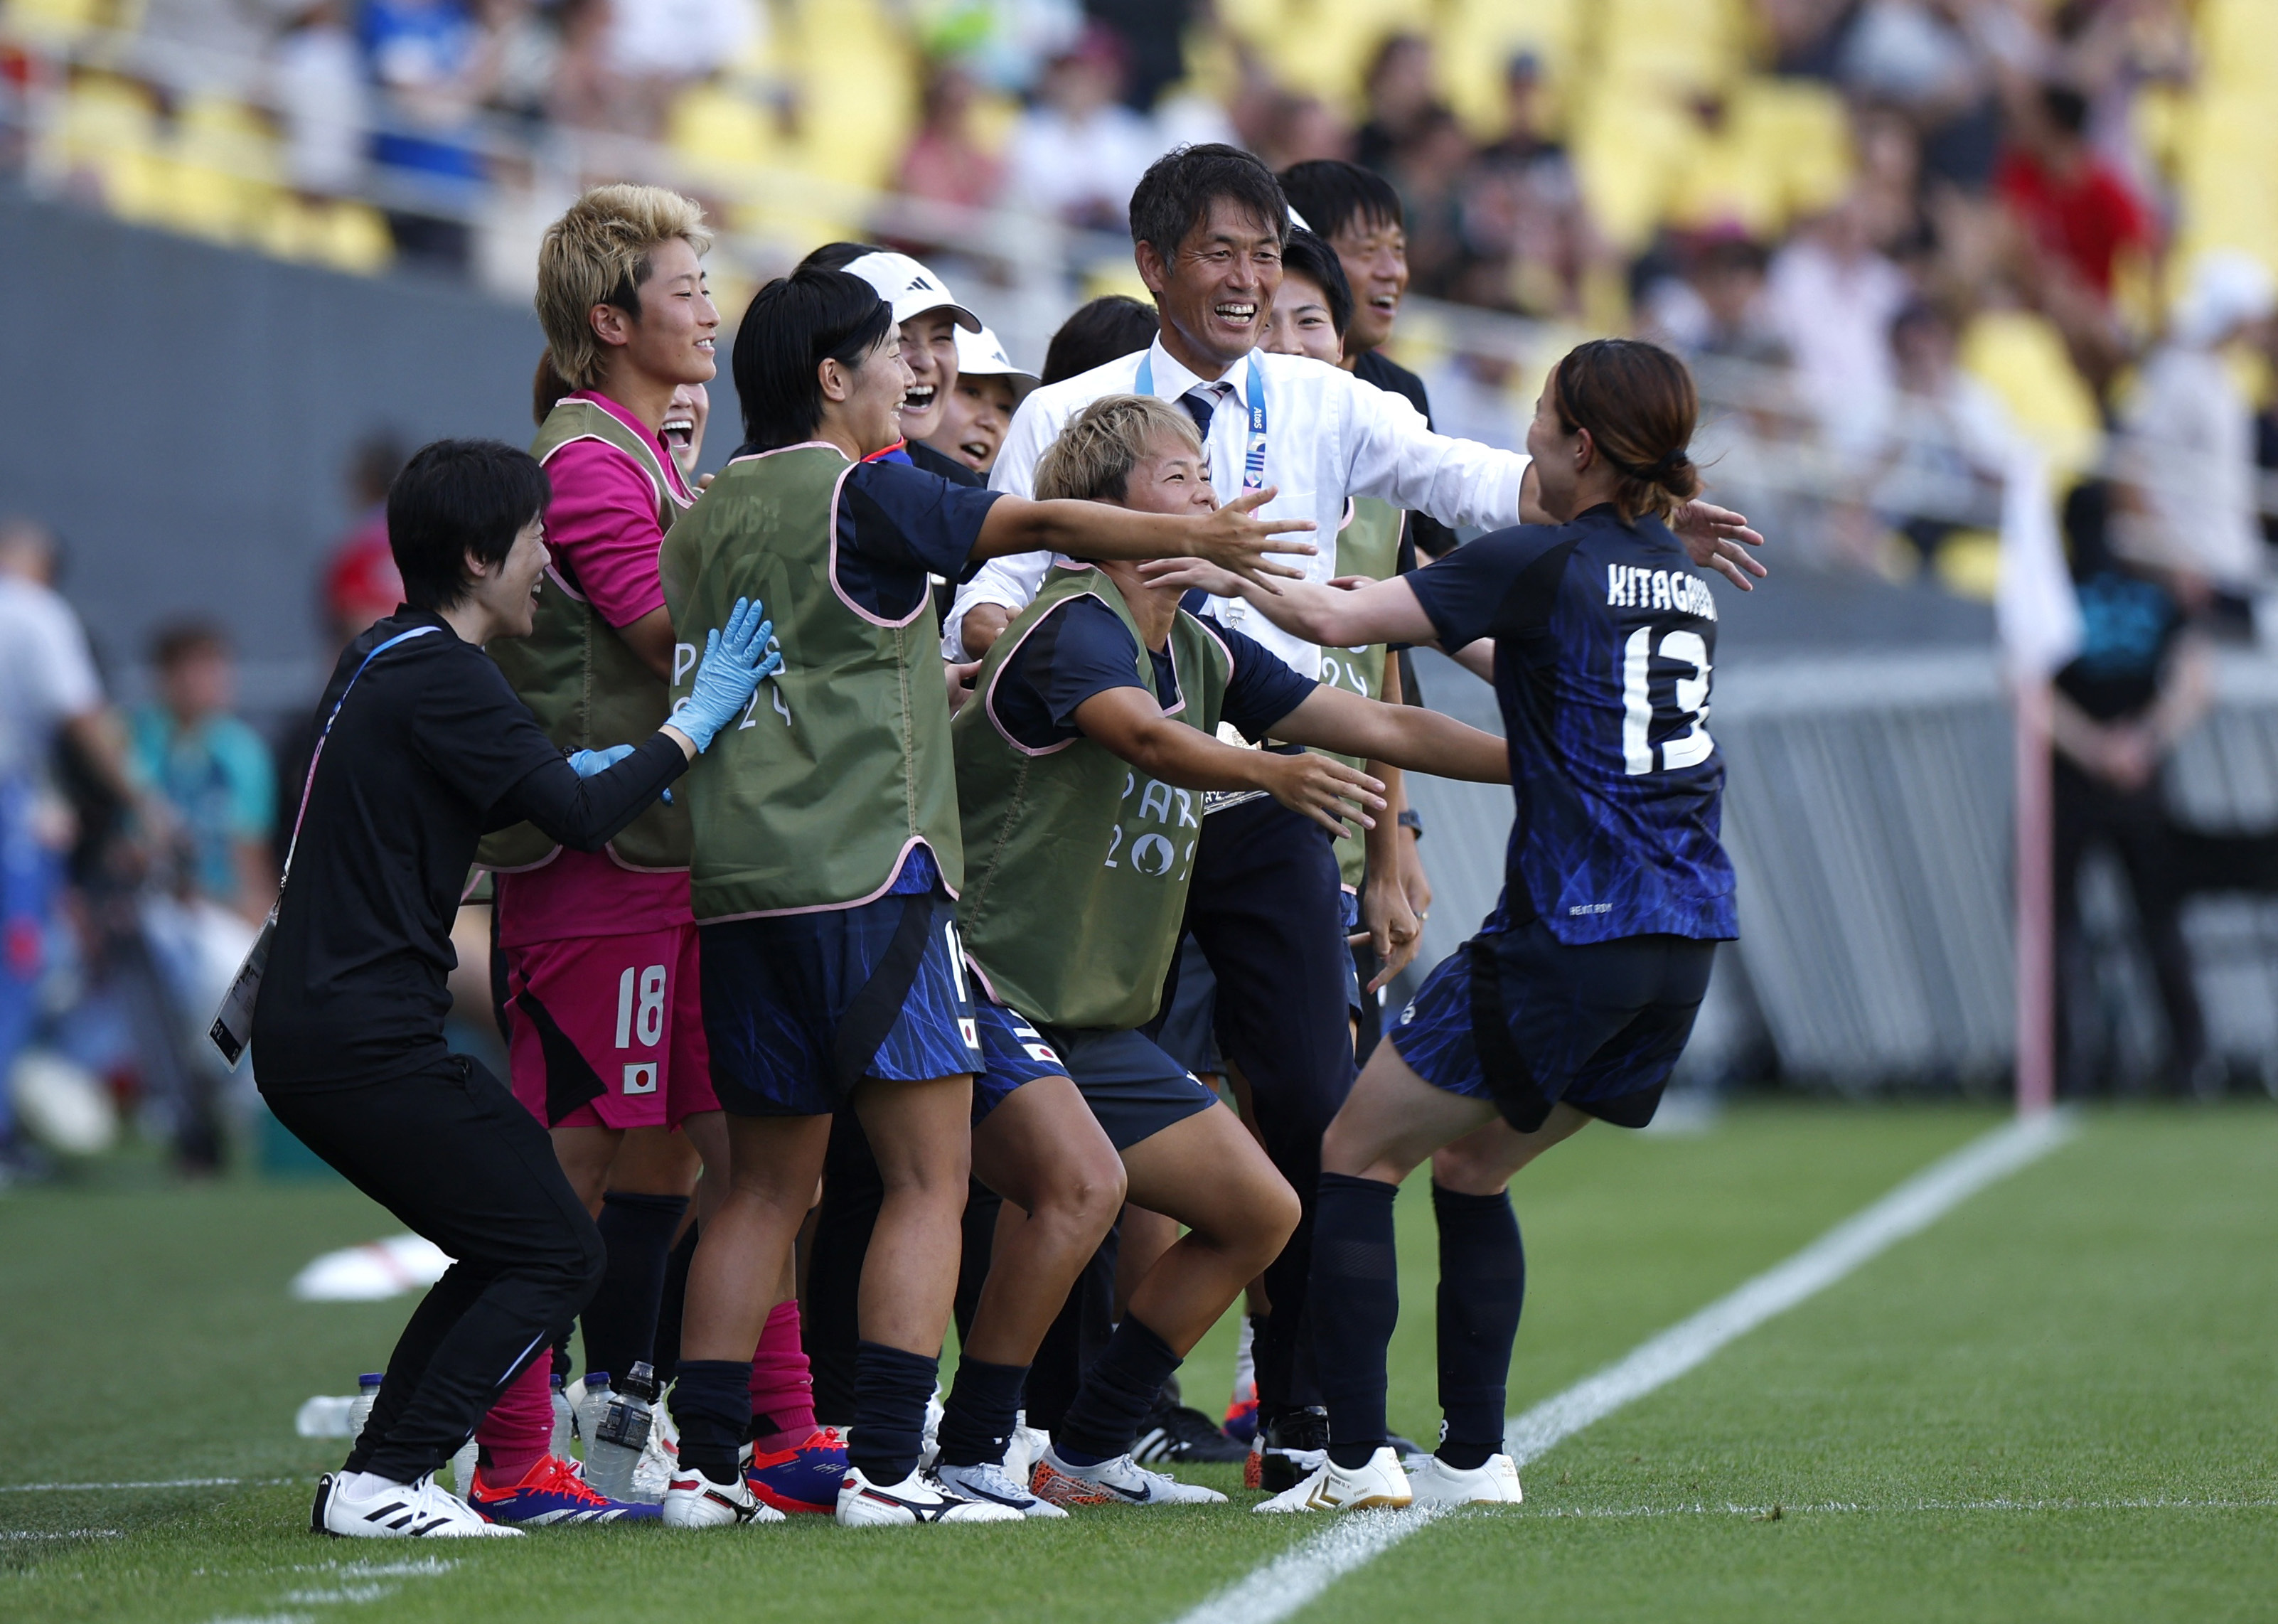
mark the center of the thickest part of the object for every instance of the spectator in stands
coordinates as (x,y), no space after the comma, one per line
(1077,153)
(1300,128)
(425,55)
(2186,448)
(1940,61)
(2076,209)
(1831,298)
(206,44)
(1522,207)
(2137,685)
(1718,309)
(946,161)
(209,768)
(316,73)
(1399,89)
(1948,440)
(1429,169)
(659,48)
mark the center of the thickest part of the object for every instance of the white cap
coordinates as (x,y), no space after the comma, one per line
(2227,289)
(982,355)
(910,288)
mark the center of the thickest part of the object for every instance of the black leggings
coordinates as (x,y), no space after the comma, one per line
(453,1156)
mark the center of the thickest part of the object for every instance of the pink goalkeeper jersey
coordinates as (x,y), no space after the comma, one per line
(602,531)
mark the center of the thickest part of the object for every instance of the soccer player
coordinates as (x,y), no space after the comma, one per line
(827,852)
(1208,225)
(424,747)
(606,1042)
(989,389)
(1576,997)
(1080,765)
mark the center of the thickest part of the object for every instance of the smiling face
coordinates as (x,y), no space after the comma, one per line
(1169,479)
(973,422)
(684,423)
(1299,324)
(672,342)
(1217,286)
(929,346)
(862,404)
(507,590)
(1375,258)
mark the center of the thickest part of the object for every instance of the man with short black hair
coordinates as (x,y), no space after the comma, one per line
(1208,224)
(428,748)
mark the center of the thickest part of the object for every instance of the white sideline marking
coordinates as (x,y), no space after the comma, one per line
(62,1534)
(172,1482)
(1291,1580)
(1909,1507)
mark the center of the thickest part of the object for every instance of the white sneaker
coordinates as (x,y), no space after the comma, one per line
(1434,1483)
(692,1500)
(916,1499)
(1120,1482)
(1330,1487)
(995,1484)
(399,1511)
(1024,1449)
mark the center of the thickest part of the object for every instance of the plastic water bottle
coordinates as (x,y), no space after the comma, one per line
(462,1468)
(592,1406)
(564,1422)
(367,1395)
(622,1435)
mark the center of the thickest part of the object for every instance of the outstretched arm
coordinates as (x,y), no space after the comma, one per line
(1384,612)
(1397,735)
(1233,538)
(1129,723)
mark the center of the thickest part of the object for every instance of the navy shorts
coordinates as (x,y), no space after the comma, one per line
(1013,1052)
(1186,1030)
(790,1004)
(1598,1026)
(1135,1089)
(1349,914)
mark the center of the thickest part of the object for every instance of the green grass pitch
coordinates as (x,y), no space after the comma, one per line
(2060,1402)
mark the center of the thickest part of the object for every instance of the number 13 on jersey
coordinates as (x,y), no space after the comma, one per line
(1684,736)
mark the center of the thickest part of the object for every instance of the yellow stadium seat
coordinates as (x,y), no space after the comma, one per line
(1475,41)
(1671,43)
(1627,152)
(54,22)
(224,171)
(2021,357)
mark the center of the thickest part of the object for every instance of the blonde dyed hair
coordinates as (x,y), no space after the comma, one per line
(1092,459)
(600,253)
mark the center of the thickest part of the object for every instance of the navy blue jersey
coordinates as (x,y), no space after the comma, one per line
(897,523)
(1604,637)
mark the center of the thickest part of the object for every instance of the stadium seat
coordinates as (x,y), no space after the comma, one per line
(1475,41)
(2020,356)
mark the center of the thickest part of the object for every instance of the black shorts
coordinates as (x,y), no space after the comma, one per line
(1524,1021)
(1135,1089)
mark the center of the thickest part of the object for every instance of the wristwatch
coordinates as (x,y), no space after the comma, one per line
(1412,821)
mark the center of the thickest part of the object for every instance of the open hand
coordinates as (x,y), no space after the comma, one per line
(1718,539)
(1237,542)
(1189,574)
(1328,791)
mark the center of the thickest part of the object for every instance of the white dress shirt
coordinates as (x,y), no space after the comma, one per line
(1328,436)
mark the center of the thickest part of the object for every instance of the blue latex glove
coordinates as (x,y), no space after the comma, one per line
(587,762)
(735,662)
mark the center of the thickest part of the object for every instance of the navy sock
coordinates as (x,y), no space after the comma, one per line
(1355,1295)
(671,1309)
(711,1406)
(1482,1284)
(985,1402)
(1116,1395)
(890,1390)
(621,1321)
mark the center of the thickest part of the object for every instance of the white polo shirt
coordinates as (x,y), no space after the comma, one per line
(1328,436)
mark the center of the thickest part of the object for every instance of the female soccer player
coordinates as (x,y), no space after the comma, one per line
(1577,996)
(827,852)
(425,749)
(1079,762)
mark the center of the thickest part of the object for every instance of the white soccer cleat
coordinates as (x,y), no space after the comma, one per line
(399,1511)
(917,1499)
(1433,1482)
(996,1485)
(1024,1449)
(1120,1482)
(1330,1487)
(692,1500)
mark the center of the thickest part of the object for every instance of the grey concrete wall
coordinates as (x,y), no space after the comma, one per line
(183,415)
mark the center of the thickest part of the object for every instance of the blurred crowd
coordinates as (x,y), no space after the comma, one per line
(1906,245)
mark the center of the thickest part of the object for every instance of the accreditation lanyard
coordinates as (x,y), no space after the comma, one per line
(232,1029)
(318,754)
(1253,461)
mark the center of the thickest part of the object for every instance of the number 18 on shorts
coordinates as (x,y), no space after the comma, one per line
(606,1030)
